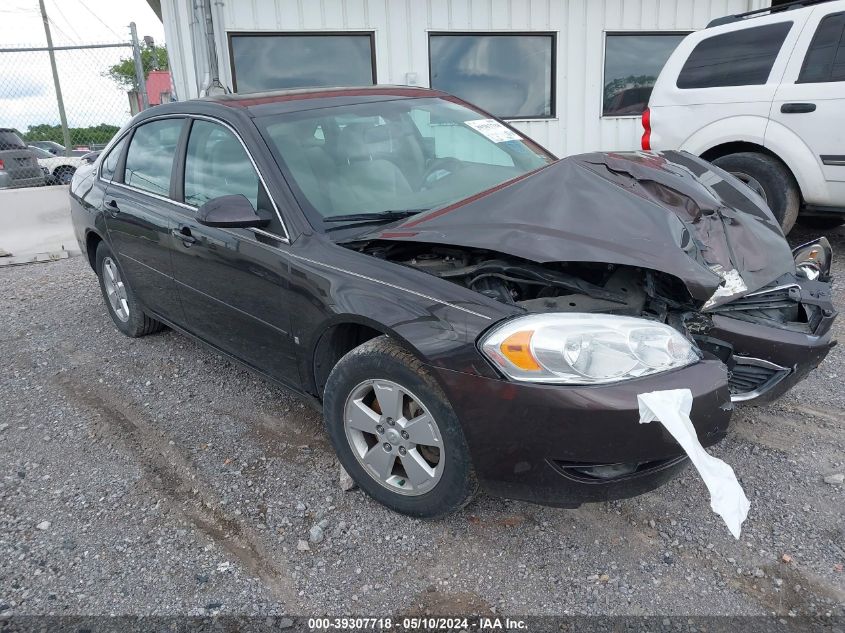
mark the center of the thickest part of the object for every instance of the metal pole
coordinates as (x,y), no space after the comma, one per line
(59,100)
(139,67)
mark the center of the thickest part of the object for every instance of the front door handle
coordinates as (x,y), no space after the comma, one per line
(184,234)
(112,207)
(797,108)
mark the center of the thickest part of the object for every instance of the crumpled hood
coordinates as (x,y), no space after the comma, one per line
(666,211)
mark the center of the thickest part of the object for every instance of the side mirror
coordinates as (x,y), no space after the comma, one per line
(812,260)
(232,212)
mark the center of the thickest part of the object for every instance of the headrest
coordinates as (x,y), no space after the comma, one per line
(361,141)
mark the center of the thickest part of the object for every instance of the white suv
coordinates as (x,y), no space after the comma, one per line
(762,95)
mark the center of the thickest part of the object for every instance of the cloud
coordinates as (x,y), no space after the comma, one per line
(16,85)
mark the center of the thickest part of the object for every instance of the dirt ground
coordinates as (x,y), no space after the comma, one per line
(151,476)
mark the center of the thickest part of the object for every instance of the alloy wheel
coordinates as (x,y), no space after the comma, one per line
(115,290)
(394,437)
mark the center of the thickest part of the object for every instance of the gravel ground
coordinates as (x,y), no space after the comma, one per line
(153,477)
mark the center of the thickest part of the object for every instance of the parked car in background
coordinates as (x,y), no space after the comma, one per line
(18,165)
(60,169)
(57,149)
(463,306)
(762,95)
(90,157)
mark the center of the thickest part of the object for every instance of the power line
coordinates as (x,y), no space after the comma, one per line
(67,22)
(99,19)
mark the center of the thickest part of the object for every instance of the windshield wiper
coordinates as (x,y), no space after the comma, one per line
(374,217)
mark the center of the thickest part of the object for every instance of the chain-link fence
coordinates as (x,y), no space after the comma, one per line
(96,91)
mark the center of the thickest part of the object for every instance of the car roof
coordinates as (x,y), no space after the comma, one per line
(282,101)
(789,8)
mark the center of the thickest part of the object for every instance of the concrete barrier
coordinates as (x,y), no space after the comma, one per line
(35,225)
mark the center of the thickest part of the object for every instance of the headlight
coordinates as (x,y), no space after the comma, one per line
(585,349)
(812,260)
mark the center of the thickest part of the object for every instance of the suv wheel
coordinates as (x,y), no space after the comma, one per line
(121,303)
(770,178)
(395,433)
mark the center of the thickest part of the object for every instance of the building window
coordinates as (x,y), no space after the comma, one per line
(510,75)
(737,58)
(632,62)
(825,61)
(272,61)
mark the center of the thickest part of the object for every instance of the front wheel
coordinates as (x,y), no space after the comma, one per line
(64,175)
(770,179)
(395,432)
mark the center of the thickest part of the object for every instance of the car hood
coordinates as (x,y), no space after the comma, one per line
(666,211)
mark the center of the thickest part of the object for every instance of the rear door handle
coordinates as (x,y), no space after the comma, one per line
(797,108)
(184,234)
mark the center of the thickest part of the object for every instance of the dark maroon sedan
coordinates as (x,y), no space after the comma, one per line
(465,308)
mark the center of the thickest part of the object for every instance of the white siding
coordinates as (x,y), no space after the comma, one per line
(401,38)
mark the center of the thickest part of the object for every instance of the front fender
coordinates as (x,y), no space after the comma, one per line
(437,320)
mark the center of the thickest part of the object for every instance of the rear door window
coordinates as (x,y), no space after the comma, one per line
(149,159)
(825,60)
(739,58)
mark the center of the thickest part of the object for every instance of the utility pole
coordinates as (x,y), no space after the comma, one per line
(56,84)
(139,67)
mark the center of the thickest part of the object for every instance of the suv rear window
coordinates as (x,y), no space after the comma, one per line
(10,140)
(825,59)
(738,58)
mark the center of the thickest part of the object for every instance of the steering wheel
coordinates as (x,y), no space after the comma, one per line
(440,168)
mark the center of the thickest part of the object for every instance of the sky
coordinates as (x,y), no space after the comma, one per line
(27,96)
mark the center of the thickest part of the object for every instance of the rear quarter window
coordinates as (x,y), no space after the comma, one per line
(825,60)
(738,58)
(10,140)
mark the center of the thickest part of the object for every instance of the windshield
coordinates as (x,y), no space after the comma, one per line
(40,153)
(394,156)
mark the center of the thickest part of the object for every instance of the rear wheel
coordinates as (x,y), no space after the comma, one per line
(121,303)
(395,433)
(770,179)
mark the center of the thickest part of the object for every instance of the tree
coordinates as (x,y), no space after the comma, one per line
(92,135)
(152,57)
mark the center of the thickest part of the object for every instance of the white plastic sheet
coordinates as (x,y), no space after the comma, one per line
(672,408)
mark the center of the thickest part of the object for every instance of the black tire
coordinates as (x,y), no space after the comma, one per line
(64,175)
(381,358)
(138,323)
(821,222)
(778,184)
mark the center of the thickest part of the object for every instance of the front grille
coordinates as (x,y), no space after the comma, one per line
(779,297)
(751,377)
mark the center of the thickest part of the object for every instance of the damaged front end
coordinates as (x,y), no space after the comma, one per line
(667,237)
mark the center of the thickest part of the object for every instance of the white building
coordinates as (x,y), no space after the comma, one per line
(572,74)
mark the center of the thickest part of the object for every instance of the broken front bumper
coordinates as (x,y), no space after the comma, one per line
(568,445)
(768,361)
(772,338)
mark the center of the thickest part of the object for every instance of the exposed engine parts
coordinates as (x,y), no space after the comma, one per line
(600,288)
(564,287)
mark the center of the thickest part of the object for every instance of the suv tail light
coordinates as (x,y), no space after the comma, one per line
(2,164)
(646,140)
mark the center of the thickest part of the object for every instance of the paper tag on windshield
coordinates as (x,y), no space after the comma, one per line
(493,130)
